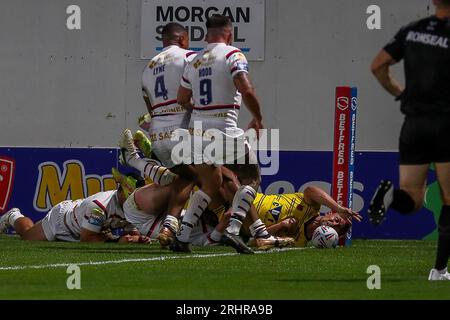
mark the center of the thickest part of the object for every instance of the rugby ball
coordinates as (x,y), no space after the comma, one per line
(325,237)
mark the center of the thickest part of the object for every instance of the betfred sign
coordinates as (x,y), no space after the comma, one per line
(344,146)
(247,16)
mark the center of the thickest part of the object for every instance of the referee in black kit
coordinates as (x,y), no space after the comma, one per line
(424,46)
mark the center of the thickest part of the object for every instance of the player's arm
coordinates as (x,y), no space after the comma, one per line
(184,94)
(146,100)
(91,236)
(314,195)
(184,97)
(393,52)
(381,70)
(134,239)
(245,87)
(92,225)
(238,66)
(283,228)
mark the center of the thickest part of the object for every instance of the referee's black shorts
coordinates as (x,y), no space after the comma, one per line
(425,139)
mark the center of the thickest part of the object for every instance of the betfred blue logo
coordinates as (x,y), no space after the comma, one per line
(354,103)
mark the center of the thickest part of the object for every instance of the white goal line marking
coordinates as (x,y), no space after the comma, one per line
(161,258)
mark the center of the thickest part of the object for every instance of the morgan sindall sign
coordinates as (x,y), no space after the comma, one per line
(247,17)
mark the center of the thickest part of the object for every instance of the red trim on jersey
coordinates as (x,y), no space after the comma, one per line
(225,106)
(100,205)
(164,114)
(164,104)
(74,216)
(229,54)
(190,53)
(155,223)
(186,80)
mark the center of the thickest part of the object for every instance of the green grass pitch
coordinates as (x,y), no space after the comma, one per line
(30,270)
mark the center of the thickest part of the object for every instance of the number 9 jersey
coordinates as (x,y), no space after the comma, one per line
(210,78)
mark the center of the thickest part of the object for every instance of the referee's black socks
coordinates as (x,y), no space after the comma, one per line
(443,250)
(402,202)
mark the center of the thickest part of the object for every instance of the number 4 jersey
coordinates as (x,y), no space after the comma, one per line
(160,83)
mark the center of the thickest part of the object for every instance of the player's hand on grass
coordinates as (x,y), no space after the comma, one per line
(144,239)
(134,239)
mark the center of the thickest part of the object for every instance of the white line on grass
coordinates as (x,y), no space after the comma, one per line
(161,258)
(390,247)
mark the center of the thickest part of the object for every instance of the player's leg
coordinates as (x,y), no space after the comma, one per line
(408,199)
(413,182)
(23,225)
(148,168)
(143,143)
(249,175)
(443,251)
(34,233)
(179,195)
(415,153)
(152,198)
(180,187)
(230,188)
(443,176)
(8,219)
(249,178)
(210,178)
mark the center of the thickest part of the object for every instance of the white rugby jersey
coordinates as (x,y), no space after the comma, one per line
(82,215)
(210,77)
(160,83)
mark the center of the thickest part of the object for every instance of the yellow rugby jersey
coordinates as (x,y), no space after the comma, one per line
(278,207)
